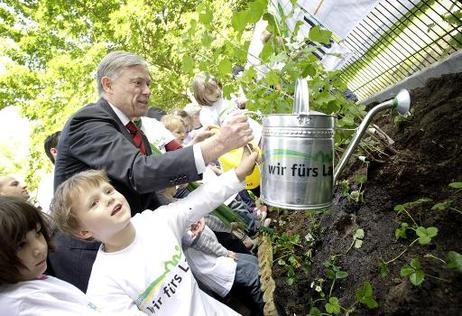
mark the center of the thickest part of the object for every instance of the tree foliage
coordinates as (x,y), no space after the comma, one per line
(53,47)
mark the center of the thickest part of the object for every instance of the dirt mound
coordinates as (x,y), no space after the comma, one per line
(426,157)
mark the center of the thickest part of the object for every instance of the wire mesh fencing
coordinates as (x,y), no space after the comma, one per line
(398,38)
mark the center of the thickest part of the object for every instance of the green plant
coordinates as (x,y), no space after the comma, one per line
(416,274)
(355,195)
(414,271)
(357,242)
(454,261)
(364,295)
(424,234)
(447,204)
(334,272)
(455,185)
(286,255)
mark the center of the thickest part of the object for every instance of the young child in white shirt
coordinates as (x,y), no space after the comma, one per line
(215,109)
(140,265)
(24,289)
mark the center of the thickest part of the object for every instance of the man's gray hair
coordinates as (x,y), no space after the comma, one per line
(113,63)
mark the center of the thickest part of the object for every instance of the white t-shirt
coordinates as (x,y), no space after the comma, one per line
(217,273)
(218,113)
(151,274)
(157,134)
(48,297)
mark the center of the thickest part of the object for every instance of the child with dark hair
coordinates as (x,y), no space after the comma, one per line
(24,289)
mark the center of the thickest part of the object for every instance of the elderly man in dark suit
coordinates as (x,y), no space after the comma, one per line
(102,135)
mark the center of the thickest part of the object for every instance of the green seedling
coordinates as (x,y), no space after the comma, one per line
(400,232)
(383,269)
(403,208)
(333,306)
(334,272)
(455,261)
(426,234)
(365,295)
(314,311)
(414,271)
(416,274)
(357,242)
(455,185)
(284,247)
(444,206)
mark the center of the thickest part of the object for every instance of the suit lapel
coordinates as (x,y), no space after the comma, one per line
(105,105)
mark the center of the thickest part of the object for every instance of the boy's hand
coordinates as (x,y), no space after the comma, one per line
(233,255)
(198,227)
(247,164)
(203,135)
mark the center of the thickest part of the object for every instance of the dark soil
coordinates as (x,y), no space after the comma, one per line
(425,158)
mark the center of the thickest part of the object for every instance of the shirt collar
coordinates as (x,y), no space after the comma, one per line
(122,117)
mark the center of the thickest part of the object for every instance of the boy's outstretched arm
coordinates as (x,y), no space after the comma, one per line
(207,197)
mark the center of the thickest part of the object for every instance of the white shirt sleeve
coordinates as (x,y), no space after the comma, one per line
(199,159)
(200,202)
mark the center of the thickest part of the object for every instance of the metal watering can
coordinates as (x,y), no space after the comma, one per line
(298,152)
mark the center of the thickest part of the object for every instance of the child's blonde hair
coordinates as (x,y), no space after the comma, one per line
(68,195)
(206,89)
(171,122)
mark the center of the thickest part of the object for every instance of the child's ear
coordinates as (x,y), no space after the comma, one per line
(83,234)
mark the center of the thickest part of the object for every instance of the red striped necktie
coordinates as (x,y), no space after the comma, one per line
(136,135)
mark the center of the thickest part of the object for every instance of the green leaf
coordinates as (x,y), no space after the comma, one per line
(341,274)
(407,270)
(400,232)
(206,17)
(358,243)
(383,269)
(309,70)
(426,234)
(240,20)
(359,234)
(319,35)
(206,39)
(455,261)
(266,52)
(417,277)
(256,10)
(188,64)
(455,185)
(314,312)
(414,271)
(399,208)
(333,306)
(442,205)
(290,281)
(365,295)
(225,67)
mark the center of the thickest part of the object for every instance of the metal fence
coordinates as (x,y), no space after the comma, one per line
(398,38)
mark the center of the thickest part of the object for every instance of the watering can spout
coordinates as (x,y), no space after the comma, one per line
(401,102)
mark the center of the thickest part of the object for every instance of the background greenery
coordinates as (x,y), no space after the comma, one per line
(53,48)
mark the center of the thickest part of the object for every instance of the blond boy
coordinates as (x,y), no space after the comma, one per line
(140,264)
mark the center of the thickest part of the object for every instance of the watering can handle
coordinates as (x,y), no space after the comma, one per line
(301,97)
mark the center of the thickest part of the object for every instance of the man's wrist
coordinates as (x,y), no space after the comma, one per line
(212,148)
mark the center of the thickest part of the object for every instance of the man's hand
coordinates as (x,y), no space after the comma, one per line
(234,133)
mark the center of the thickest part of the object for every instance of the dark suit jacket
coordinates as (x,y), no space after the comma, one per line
(94,138)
